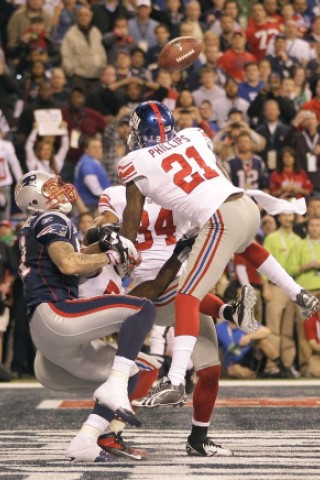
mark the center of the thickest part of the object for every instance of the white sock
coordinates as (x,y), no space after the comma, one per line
(94,425)
(182,351)
(120,370)
(277,274)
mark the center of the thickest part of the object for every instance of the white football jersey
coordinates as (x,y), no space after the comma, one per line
(157,235)
(180,175)
(107,282)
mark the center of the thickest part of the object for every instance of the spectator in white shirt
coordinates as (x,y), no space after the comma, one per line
(10,169)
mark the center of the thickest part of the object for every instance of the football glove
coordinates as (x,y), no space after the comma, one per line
(183,248)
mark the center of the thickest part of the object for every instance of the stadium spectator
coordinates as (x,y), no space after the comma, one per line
(207,115)
(312,335)
(246,169)
(282,61)
(250,87)
(192,16)
(59,87)
(162,35)
(228,26)
(272,91)
(303,263)
(106,99)
(10,172)
(230,8)
(296,47)
(242,351)
(302,90)
(90,177)
(9,92)
(115,144)
(82,52)
(231,100)
(289,180)
(64,16)
(225,140)
(274,132)
(260,31)
(82,122)
(106,13)
(303,136)
(41,155)
(118,39)
(26,120)
(265,70)
(137,65)
(280,310)
(142,27)
(209,90)
(233,60)
(314,104)
(272,9)
(21,20)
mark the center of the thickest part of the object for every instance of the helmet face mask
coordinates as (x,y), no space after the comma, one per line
(151,123)
(40,191)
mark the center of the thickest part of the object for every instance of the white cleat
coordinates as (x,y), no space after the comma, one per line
(243,316)
(115,396)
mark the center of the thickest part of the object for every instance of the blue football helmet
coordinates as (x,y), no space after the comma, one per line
(150,123)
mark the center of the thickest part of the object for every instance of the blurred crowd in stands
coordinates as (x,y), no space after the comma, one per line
(255,90)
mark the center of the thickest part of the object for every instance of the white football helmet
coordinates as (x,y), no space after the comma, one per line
(41,191)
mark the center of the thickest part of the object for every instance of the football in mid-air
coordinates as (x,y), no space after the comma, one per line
(179,53)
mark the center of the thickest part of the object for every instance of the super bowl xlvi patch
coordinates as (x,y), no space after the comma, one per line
(55,228)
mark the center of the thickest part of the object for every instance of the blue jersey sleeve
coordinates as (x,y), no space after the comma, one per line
(51,227)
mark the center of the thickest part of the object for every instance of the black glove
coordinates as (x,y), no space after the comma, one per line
(110,240)
(93,234)
(183,248)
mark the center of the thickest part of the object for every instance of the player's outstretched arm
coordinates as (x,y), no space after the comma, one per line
(133,211)
(152,289)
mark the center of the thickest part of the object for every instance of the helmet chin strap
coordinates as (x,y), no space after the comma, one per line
(65,207)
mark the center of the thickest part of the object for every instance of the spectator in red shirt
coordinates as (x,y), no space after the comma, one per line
(312,334)
(289,180)
(232,62)
(260,31)
(82,122)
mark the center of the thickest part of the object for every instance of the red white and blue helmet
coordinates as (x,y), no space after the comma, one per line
(150,123)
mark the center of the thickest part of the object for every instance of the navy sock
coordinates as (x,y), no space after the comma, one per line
(134,330)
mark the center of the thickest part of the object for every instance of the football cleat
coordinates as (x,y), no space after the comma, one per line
(308,304)
(243,315)
(114,397)
(82,450)
(164,393)
(206,448)
(113,443)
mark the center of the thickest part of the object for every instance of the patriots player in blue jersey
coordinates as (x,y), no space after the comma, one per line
(67,330)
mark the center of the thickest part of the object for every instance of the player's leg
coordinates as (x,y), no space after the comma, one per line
(214,246)
(65,329)
(205,357)
(267,265)
(105,432)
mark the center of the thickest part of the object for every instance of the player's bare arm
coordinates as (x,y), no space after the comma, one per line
(133,211)
(152,289)
(70,262)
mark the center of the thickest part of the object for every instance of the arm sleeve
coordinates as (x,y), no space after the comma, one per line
(31,159)
(93,184)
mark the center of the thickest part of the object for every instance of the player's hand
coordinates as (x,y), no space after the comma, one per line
(114,257)
(183,248)
(110,240)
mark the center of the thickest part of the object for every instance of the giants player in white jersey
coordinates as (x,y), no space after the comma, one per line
(179,172)
(158,233)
